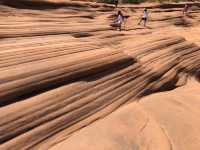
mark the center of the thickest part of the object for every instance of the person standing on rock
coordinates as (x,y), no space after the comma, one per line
(119,21)
(116,3)
(144,18)
(185,9)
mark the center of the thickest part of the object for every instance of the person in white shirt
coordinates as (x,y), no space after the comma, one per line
(144,18)
(119,21)
(185,9)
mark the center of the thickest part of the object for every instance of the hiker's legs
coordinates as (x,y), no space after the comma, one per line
(184,12)
(117,26)
(140,21)
(120,27)
(145,22)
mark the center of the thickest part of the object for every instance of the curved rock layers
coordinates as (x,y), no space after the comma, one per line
(164,121)
(72,106)
(35,79)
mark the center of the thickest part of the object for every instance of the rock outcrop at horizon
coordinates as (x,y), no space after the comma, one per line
(69,81)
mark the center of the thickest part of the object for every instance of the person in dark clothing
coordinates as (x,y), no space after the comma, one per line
(116,3)
(185,9)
